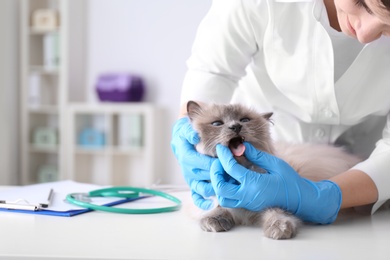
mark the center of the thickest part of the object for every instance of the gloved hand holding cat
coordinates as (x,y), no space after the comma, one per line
(317,202)
(195,166)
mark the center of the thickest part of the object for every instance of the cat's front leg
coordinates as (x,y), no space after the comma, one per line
(279,224)
(217,220)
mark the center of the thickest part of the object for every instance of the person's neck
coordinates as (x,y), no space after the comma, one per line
(332,14)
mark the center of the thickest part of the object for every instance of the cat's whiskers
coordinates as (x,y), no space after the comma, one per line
(262,126)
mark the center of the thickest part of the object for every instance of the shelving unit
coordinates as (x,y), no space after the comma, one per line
(43,92)
(127,154)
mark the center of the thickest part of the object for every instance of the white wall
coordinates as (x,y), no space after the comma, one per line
(152,38)
(9,97)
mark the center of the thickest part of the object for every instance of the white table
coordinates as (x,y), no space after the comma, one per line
(100,235)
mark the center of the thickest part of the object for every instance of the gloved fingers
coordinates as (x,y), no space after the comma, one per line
(271,163)
(184,137)
(189,133)
(260,158)
(201,202)
(183,129)
(180,145)
(200,161)
(195,174)
(222,183)
(230,165)
(188,155)
(227,203)
(203,188)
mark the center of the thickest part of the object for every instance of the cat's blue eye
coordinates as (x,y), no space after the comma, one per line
(244,120)
(217,123)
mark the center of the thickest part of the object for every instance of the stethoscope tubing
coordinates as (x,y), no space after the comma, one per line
(125,192)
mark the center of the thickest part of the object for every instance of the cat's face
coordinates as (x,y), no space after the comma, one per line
(228,125)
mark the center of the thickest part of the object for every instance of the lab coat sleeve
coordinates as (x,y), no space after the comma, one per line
(377,166)
(224,45)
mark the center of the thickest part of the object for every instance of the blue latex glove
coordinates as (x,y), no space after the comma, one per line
(281,186)
(195,166)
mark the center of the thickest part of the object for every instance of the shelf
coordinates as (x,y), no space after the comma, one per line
(41,149)
(112,143)
(43,85)
(42,109)
(46,56)
(92,150)
(34,31)
(109,150)
(128,151)
(44,71)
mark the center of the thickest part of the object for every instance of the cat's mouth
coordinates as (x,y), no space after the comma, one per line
(236,146)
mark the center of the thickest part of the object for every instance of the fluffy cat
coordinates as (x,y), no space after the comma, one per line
(230,125)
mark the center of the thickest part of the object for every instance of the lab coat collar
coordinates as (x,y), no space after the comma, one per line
(317,8)
(292,1)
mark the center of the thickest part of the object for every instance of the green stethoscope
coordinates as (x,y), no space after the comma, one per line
(125,192)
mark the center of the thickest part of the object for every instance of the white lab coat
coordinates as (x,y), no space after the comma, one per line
(281,57)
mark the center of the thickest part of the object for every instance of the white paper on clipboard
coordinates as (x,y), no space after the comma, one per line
(37,193)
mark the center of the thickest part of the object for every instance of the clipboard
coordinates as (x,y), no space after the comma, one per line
(37,193)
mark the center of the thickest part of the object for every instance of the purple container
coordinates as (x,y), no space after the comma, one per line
(117,87)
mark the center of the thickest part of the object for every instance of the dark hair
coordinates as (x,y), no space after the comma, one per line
(386,4)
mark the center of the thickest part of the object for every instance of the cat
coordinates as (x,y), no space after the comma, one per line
(230,125)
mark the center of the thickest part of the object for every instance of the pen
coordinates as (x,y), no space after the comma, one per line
(48,201)
(6,205)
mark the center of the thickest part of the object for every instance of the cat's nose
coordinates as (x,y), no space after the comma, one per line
(236,128)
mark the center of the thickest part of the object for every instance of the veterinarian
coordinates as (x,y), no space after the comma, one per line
(323,68)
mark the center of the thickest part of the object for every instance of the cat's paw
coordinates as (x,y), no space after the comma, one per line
(280,229)
(279,224)
(218,223)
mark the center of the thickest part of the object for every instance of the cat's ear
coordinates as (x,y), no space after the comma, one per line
(268,116)
(193,109)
